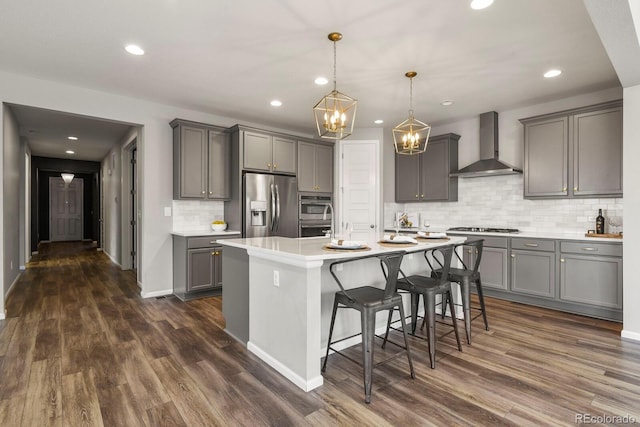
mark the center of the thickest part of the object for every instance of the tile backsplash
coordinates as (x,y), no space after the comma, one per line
(498,201)
(196,215)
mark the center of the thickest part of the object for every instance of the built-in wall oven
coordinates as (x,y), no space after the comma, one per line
(311,214)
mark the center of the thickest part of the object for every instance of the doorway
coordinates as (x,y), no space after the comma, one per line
(65,209)
(133,194)
(359,193)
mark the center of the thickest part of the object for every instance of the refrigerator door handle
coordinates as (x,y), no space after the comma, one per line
(273,209)
(277,208)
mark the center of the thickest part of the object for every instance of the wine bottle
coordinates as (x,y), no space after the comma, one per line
(599,223)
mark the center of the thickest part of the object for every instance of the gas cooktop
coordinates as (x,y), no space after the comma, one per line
(485,229)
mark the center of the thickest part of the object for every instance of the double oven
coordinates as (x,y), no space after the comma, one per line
(311,214)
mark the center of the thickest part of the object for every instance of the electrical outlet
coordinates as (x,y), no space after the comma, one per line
(276,278)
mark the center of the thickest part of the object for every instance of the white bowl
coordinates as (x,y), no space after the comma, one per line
(219,227)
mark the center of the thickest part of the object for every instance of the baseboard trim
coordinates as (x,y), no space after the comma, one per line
(156,293)
(12,287)
(629,335)
(113,260)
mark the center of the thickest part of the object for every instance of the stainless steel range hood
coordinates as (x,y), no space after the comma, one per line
(489,164)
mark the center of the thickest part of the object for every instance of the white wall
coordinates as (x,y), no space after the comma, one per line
(631,252)
(154,164)
(111,171)
(10,200)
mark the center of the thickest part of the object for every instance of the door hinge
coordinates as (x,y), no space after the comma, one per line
(133,253)
(133,222)
(133,192)
(133,161)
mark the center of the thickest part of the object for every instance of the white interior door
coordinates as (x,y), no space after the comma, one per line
(359,190)
(65,209)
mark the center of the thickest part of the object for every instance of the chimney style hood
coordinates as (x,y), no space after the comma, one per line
(489,164)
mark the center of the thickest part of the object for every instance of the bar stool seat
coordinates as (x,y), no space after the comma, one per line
(369,300)
(466,277)
(429,288)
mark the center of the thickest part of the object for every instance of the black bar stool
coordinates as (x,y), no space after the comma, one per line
(429,287)
(466,277)
(369,300)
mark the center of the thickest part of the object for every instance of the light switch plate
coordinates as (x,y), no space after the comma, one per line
(167,211)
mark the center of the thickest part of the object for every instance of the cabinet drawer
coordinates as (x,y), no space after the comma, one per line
(204,241)
(489,241)
(591,248)
(533,244)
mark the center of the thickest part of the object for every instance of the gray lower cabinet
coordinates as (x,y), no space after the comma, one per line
(533,267)
(493,264)
(591,275)
(425,177)
(574,153)
(197,266)
(315,167)
(201,161)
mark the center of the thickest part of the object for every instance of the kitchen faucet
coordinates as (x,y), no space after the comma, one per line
(324,217)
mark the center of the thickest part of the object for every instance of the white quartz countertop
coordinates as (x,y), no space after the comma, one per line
(205,233)
(522,234)
(311,249)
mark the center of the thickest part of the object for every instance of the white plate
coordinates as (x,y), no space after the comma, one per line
(442,236)
(351,246)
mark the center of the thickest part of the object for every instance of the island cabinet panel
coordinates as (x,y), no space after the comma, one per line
(574,153)
(267,152)
(425,177)
(591,273)
(493,264)
(201,161)
(315,167)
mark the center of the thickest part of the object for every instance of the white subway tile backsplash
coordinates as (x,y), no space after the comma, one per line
(196,215)
(499,202)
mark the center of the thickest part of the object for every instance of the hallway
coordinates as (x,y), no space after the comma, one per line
(81,347)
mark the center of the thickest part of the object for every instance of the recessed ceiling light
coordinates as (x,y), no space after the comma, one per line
(320,81)
(379,121)
(446,102)
(73,138)
(134,49)
(552,73)
(480,4)
(276,103)
(70,152)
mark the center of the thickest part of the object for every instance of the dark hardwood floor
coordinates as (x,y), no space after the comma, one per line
(81,347)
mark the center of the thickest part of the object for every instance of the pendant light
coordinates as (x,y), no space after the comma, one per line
(335,113)
(67,178)
(411,136)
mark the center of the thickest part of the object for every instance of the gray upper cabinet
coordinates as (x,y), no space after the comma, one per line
(425,177)
(575,153)
(315,167)
(269,153)
(201,158)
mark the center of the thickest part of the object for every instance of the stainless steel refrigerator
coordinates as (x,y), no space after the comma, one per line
(270,205)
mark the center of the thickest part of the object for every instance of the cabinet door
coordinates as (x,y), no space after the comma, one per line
(284,155)
(217,267)
(200,269)
(219,163)
(546,151)
(306,166)
(407,178)
(193,162)
(597,153)
(324,168)
(533,273)
(434,179)
(257,151)
(591,280)
(493,268)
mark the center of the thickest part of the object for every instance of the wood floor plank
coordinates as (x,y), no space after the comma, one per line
(47,344)
(165,415)
(11,411)
(43,404)
(80,406)
(118,407)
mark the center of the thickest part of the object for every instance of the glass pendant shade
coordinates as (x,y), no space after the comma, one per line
(411,136)
(335,113)
(67,177)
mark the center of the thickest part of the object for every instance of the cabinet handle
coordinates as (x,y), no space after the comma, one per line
(416,196)
(422,196)
(210,192)
(564,189)
(513,255)
(469,251)
(203,193)
(213,253)
(590,249)
(575,188)
(531,245)
(561,259)
(268,165)
(275,166)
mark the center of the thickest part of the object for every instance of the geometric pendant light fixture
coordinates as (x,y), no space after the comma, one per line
(411,136)
(67,178)
(335,113)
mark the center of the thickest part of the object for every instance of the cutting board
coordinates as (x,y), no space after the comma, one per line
(609,235)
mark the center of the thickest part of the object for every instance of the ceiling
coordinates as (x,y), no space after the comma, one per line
(231,58)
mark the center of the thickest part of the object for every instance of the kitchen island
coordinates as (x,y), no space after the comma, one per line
(278,294)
